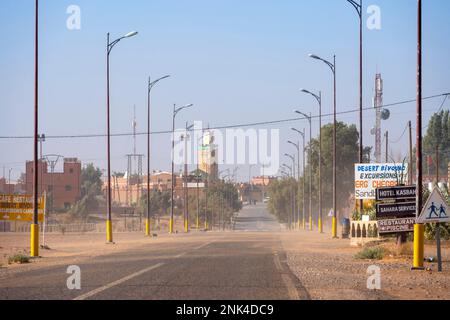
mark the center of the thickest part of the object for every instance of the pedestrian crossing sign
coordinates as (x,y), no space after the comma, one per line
(435,210)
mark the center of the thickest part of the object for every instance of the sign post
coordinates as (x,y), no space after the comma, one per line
(436,210)
(369,177)
(396,210)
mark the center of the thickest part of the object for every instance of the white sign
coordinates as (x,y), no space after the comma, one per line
(369,177)
(435,210)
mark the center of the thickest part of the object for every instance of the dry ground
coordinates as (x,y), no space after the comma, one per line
(328,270)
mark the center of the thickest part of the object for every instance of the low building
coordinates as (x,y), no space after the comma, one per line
(127,191)
(64,188)
(7,188)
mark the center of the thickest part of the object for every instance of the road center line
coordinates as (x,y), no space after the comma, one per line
(116,283)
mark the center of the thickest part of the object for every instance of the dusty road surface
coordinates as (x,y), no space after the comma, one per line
(258,260)
(226,265)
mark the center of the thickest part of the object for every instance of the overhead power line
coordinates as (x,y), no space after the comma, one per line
(242,125)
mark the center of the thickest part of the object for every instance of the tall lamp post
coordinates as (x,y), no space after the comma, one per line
(333,69)
(290,169)
(198,177)
(109,47)
(34,229)
(303,135)
(419,228)
(185,180)
(175,112)
(292,157)
(358,7)
(151,84)
(297,146)
(319,100)
(309,117)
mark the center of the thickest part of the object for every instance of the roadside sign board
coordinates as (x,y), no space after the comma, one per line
(396,193)
(396,225)
(369,177)
(396,210)
(435,210)
(20,208)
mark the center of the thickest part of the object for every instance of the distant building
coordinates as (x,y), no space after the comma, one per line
(263,180)
(208,156)
(65,187)
(124,194)
(6,188)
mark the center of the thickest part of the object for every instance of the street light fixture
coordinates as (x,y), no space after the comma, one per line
(185,137)
(109,47)
(309,118)
(333,69)
(359,7)
(293,200)
(297,146)
(151,84)
(319,100)
(175,112)
(302,133)
(34,228)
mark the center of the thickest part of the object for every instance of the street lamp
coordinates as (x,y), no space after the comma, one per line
(109,47)
(297,146)
(419,229)
(319,100)
(290,169)
(309,117)
(175,112)
(198,176)
(302,133)
(185,137)
(294,202)
(34,228)
(151,84)
(333,69)
(358,7)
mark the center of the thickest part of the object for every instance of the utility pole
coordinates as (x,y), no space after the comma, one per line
(34,242)
(438,225)
(411,180)
(186,211)
(387,146)
(419,228)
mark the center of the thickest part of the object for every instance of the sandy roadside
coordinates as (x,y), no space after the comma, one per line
(328,270)
(72,248)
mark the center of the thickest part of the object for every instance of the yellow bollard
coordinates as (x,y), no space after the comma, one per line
(109,237)
(418,246)
(304,224)
(198,224)
(334,228)
(34,244)
(310,223)
(186,226)
(147,227)
(171,225)
(320,225)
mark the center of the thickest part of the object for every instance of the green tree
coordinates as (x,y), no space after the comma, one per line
(347,156)
(91,190)
(280,202)
(438,135)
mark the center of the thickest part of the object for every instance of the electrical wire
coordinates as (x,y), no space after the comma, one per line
(242,125)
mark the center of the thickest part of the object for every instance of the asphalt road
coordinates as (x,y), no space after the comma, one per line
(211,266)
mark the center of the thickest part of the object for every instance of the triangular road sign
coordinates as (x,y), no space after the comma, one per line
(435,210)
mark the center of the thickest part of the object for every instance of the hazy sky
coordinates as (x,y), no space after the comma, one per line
(237,61)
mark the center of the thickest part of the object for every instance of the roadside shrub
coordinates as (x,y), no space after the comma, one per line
(18,258)
(374,253)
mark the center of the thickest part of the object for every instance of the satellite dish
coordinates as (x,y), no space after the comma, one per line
(385,114)
(372,131)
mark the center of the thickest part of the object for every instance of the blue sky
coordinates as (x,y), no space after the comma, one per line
(237,61)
